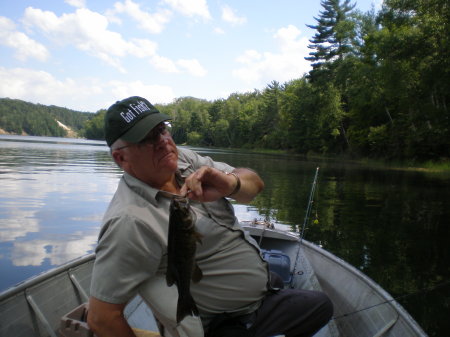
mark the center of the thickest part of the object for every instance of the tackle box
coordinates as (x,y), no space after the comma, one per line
(279,263)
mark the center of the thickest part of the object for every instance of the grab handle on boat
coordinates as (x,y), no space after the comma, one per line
(78,286)
(39,314)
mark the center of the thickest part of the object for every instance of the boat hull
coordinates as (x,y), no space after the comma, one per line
(362,308)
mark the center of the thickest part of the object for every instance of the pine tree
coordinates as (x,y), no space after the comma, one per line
(333,39)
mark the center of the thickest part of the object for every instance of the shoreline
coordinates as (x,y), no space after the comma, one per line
(430,166)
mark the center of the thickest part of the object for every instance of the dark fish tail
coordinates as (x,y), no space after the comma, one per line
(186,307)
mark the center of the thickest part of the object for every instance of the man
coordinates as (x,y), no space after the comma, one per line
(131,255)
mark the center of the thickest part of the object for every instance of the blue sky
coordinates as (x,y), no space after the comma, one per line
(87,54)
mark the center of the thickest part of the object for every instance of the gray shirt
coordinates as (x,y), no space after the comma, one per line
(132,246)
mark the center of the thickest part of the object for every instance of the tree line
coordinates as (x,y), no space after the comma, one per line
(379,87)
(20,117)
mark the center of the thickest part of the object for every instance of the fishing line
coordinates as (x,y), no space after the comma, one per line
(316,204)
(305,221)
(310,203)
(395,299)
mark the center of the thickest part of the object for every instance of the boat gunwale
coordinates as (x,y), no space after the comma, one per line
(388,299)
(48,274)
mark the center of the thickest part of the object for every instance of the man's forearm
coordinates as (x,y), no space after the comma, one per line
(209,184)
(107,320)
(118,328)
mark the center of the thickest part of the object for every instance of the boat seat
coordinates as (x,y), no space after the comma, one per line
(279,263)
(74,324)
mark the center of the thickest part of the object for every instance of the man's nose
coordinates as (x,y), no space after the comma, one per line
(161,140)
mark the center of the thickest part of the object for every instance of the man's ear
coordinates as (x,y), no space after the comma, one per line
(118,157)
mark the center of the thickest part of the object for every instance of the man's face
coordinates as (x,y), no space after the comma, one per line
(153,159)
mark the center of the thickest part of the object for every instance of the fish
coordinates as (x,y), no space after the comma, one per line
(181,248)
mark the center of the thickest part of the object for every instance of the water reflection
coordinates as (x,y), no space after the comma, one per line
(52,200)
(16,223)
(57,250)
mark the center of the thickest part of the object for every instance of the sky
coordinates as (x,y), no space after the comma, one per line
(87,54)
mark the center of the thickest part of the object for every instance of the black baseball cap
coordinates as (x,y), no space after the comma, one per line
(131,119)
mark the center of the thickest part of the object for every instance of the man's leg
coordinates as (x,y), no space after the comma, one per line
(292,312)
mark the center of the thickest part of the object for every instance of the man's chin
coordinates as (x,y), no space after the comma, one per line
(170,157)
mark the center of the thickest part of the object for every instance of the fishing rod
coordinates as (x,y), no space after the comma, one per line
(305,221)
(310,203)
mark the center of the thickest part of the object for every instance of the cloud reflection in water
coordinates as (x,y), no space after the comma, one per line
(58,251)
(52,199)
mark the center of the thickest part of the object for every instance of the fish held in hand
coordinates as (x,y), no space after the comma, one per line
(181,247)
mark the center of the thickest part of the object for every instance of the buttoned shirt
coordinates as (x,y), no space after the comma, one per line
(132,247)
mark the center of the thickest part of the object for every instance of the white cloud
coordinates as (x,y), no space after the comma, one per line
(85,94)
(219,31)
(260,68)
(164,64)
(85,29)
(193,67)
(151,22)
(24,46)
(190,8)
(228,15)
(41,87)
(287,39)
(154,93)
(142,48)
(76,3)
(249,57)
(88,31)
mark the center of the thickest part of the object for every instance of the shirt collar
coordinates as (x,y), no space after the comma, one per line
(142,189)
(183,169)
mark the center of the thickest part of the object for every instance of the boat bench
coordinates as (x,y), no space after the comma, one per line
(74,324)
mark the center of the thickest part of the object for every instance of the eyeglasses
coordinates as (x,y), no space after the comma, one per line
(152,138)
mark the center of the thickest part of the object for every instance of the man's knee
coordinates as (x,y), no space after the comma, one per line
(313,319)
(326,307)
(318,309)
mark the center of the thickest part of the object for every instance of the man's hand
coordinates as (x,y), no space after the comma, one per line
(210,184)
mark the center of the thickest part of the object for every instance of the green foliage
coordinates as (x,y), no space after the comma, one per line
(188,114)
(194,138)
(93,128)
(19,117)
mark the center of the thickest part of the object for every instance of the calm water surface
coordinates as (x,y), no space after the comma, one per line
(391,224)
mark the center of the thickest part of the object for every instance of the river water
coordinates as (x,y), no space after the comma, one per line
(391,224)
